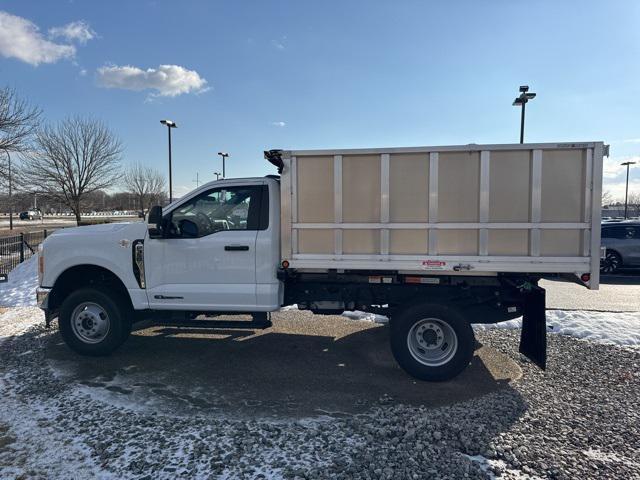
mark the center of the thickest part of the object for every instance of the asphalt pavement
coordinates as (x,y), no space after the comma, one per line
(617,293)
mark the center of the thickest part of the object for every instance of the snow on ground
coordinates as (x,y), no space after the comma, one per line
(353,315)
(488,465)
(366,316)
(20,289)
(614,328)
(16,321)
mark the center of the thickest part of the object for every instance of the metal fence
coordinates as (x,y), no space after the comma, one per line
(15,249)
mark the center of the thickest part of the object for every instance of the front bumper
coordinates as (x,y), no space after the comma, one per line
(42,300)
(42,297)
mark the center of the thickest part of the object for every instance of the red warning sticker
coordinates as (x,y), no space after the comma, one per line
(434,264)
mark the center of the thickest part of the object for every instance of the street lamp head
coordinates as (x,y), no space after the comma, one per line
(524,88)
(169,123)
(517,101)
(224,154)
(530,95)
(628,163)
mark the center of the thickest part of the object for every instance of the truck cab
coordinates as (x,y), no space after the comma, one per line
(217,249)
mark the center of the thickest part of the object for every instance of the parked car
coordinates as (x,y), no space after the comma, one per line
(31,215)
(622,241)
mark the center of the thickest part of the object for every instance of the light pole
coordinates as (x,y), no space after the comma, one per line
(626,190)
(522,100)
(217,174)
(224,155)
(169,125)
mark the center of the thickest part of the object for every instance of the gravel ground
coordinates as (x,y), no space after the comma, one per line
(580,419)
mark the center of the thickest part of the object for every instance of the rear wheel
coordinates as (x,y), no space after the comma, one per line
(94,323)
(432,342)
(611,263)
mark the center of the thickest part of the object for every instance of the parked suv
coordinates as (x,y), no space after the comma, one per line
(31,215)
(622,240)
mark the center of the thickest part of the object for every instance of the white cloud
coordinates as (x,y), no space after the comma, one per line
(612,168)
(614,176)
(78,31)
(166,80)
(21,38)
(616,189)
(279,44)
(278,124)
(631,140)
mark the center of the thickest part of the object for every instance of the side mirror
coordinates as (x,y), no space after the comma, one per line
(155,215)
(155,219)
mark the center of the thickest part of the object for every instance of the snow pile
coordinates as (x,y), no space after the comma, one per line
(353,315)
(289,307)
(488,466)
(613,328)
(366,316)
(18,320)
(20,290)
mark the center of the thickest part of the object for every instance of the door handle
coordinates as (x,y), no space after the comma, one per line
(236,248)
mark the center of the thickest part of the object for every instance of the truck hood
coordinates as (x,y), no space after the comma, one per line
(103,229)
(108,246)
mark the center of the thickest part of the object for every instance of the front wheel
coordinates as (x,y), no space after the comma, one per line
(611,263)
(432,342)
(93,323)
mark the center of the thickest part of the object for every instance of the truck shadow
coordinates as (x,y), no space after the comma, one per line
(281,372)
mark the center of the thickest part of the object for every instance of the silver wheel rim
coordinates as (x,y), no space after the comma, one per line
(90,322)
(432,342)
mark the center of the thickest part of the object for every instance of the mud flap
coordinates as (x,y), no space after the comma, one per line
(533,339)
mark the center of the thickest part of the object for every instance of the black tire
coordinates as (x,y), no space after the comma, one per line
(611,263)
(432,318)
(117,315)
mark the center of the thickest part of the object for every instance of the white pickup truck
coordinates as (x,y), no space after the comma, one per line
(435,238)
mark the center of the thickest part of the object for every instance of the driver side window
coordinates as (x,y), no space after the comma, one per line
(223,208)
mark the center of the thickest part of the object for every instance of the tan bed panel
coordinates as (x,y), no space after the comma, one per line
(408,242)
(361,188)
(315,189)
(458,186)
(409,187)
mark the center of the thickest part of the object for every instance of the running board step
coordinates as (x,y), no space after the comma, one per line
(226,324)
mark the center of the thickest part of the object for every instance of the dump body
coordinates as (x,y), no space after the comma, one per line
(471,209)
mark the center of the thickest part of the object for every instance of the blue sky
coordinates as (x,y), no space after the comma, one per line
(252,75)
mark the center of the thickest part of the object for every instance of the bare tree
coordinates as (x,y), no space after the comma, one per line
(146,183)
(18,123)
(72,159)
(607,198)
(634,204)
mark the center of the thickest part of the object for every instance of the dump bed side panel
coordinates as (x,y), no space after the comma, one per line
(532,208)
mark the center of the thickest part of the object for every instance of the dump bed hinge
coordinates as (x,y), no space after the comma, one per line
(275,158)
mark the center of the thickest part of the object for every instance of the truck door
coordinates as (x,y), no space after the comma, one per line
(206,259)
